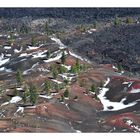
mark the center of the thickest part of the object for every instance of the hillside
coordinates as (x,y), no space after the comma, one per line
(62,76)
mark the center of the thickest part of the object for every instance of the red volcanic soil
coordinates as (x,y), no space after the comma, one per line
(76,90)
(135,85)
(118,120)
(70,60)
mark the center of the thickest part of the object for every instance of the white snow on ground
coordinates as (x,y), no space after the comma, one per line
(116,105)
(17,51)
(79,57)
(114,67)
(20,109)
(65,76)
(9,55)
(135,91)
(90,31)
(4,61)
(23,55)
(62,46)
(1,56)
(15,99)
(26,71)
(30,107)
(56,81)
(53,94)
(40,54)
(107,82)
(34,65)
(19,88)
(45,96)
(67,67)
(6,103)
(43,69)
(4,69)
(7,47)
(59,55)
(128,83)
(32,48)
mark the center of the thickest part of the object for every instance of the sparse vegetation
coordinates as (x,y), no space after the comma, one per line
(129,20)
(19,76)
(117,21)
(33,94)
(63,58)
(47,87)
(25,94)
(93,88)
(66,93)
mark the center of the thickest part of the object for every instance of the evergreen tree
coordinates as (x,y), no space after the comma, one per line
(48,54)
(120,68)
(33,41)
(62,69)
(77,65)
(117,21)
(93,88)
(26,94)
(47,87)
(57,87)
(16,93)
(24,29)
(129,20)
(66,81)
(19,77)
(66,93)
(33,94)
(54,72)
(63,58)
(62,98)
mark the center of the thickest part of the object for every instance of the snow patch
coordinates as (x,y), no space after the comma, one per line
(59,55)
(67,67)
(135,90)
(45,96)
(56,81)
(17,51)
(15,99)
(7,47)
(58,41)
(115,105)
(107,82)
(79,57)
(4,61)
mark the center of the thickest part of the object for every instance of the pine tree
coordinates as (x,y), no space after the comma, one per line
(93,88)
(25,95)
(63,58)
(54,72)
(117,21)
(16,93)
(77,65)
(129,20)
(33,94)
(73,69)
(66,93)
(47,87)
(48,54)
(33,41)
(62,69)
(19,77)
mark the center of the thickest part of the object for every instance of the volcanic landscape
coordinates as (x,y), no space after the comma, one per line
(61,72)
